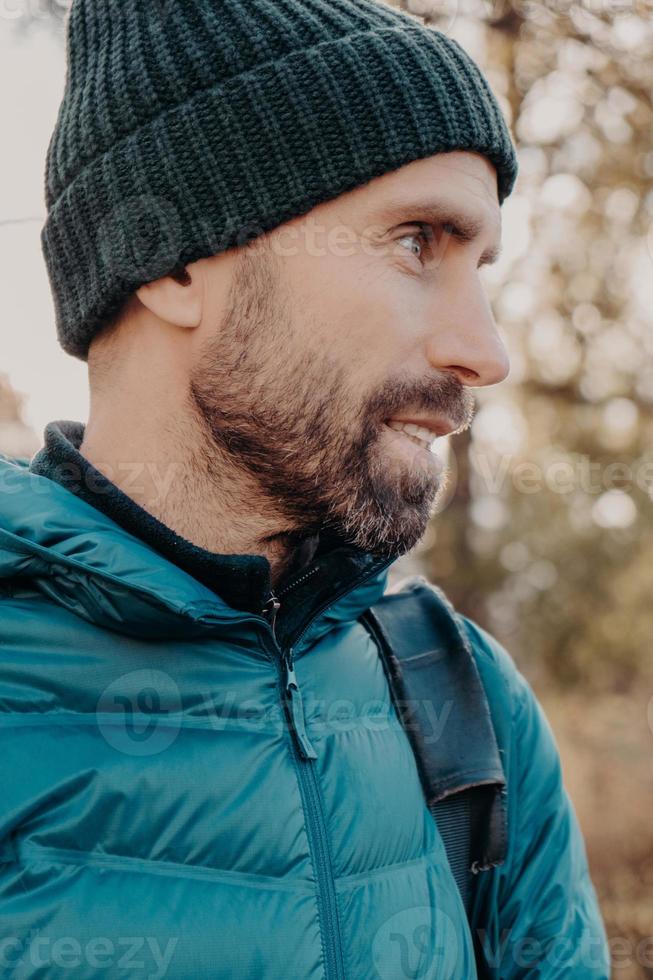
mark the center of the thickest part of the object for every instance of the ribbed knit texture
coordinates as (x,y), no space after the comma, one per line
(189,128)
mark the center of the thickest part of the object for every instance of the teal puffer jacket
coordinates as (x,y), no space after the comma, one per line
(159,817)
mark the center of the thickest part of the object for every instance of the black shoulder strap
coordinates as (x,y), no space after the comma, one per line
(441,702)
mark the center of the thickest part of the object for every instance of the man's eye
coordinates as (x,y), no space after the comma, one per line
(416,241)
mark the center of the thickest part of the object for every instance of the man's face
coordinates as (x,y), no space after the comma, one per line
(342,326)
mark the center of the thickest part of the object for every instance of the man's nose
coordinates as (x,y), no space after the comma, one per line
(465,341)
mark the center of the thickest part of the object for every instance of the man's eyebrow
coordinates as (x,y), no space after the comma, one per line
(466,227)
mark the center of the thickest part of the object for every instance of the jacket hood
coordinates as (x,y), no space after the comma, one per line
(55,542)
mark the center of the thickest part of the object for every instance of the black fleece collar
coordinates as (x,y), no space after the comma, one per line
(324,566)
(242,581)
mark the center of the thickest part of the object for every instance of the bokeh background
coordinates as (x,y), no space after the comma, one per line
(545,534)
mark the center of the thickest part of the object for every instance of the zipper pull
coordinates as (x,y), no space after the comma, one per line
(297,709)
(270,610)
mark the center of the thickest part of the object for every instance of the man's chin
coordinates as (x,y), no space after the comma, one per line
(385,502)
(390,531)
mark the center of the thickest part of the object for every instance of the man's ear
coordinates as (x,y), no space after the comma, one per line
(176,298)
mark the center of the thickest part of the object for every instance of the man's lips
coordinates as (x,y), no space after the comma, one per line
(415,445)
(420,438)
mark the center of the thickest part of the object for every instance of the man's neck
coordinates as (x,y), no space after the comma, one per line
(193,489)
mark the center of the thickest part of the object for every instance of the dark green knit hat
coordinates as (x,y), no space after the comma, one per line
(189,128)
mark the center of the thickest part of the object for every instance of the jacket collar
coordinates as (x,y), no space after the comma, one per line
(243,581)
(88,563)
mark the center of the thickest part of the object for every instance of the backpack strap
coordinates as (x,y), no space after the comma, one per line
(441,702)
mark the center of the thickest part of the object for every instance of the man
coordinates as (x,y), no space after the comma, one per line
(265,228)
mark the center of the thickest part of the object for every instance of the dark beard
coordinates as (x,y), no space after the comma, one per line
(287,417)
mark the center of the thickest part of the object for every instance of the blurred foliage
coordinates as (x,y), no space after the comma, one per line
(548,540)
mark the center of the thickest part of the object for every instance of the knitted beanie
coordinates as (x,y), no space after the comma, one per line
(190,128)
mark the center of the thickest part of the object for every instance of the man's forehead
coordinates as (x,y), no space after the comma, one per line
(458,168)
(460,180)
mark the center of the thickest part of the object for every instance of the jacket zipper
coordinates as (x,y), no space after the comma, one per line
(305,756)
(295,582)
(292,693)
